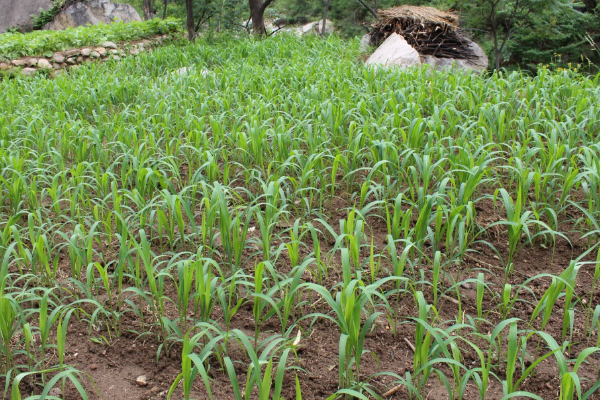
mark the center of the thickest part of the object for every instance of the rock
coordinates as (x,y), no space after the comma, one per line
(280,22)
(4,66)
(17,13)
(72,53)
(109,45)
(329,27)
(190,70)
(134,51)
(141,380)
(18,63)
(94,54)
(59,58)
(93,367)
(44,64)
(315,27)
(185,71)
(92,12)
(116,57)
(71,61)
(101,51)
(112,51)
(29,71)
(57,72)
(395,51)
(365,43)
(482,62)
(86,52)
(56,392)
(31,62)
(80,59)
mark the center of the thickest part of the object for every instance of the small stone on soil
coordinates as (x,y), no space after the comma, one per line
(141,380)
(93,367)
(56,392)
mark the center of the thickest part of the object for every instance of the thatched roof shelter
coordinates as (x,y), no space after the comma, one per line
(419,15)
(427,29)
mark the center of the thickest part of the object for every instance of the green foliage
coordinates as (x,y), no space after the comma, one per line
(13,45)
(281,184)
(540,32)
(554,38)
(48,15)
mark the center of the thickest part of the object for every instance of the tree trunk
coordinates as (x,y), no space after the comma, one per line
(190,19)
(147,11)
(257,14)
(324,18)
(494,26)
(165,9)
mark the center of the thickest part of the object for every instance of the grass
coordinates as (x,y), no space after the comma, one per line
(294,186)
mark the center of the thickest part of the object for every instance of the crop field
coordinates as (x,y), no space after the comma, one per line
(284,223)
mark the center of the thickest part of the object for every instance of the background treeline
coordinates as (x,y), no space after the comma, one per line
(514,33)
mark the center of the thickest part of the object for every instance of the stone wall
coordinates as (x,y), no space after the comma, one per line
(63,60)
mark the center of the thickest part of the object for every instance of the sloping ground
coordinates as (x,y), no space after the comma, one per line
(292,203)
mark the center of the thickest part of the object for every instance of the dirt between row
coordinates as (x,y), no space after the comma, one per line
(114,366)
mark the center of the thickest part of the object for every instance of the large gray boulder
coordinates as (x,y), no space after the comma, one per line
(394,51)
(17,13)
(92,12)
(478,64)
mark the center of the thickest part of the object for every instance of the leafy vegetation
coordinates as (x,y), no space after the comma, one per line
(527,32)
(37,43)
(48,15)
(283,181)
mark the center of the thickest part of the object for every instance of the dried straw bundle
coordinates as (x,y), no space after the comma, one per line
(426,29)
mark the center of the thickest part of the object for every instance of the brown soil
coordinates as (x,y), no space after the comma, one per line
(113,365)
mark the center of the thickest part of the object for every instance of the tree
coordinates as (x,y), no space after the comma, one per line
(257,14)
(505,17)
(189,8)
(147,9)
(324,18)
